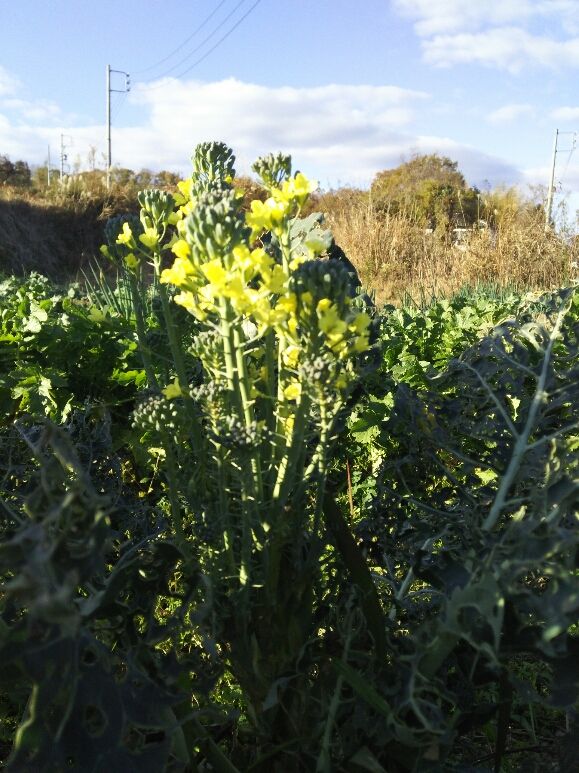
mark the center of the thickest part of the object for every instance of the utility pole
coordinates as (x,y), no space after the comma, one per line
(108,112)
(65,140)
(551,191)
(48,168)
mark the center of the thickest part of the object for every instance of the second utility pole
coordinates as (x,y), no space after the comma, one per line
(108,125)
(551,191)
(109,90)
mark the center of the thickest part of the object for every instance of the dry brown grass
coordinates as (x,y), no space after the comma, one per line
(396,256)
(60,232)
(56,234)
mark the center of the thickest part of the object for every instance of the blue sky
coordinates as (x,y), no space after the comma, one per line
(349,87)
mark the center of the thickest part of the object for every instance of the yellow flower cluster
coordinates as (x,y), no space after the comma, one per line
(343,336)
(257,288)
(251,281)
(271,214)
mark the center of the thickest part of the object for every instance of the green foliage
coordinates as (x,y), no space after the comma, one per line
(42,376)
(15,173)
(82,646)
(419,342)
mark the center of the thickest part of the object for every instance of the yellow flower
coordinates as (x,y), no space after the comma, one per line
(266,216)
(296,190)
(242,256)
(361,343)
(215,272)
(185,299)
(288,304)
(178,273)
(291,356)
(292,391)
(185,188)
(126,236)
(315,245)
(131,261)
(361,323)
(172,390)
(330,323)
(297,261)
(181,249)
(276,281)
(150,238)
(341,381)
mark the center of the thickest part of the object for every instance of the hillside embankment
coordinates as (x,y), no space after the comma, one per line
(55,237)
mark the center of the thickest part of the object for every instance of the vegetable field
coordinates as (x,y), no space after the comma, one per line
(252,521)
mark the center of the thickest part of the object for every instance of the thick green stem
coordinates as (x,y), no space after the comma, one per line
(229,357)
(293,447)
(248,413)
(237,408)
(270,380)
(225,515)
(322,464)
(141,331)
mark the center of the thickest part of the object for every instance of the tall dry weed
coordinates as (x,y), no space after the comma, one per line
(395,255)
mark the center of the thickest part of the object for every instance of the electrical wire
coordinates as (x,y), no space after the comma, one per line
(120,103)
(184,43)
(573,147)
(207,53)
(198,47)
(227,34)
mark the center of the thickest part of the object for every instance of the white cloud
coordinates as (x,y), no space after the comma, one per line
(339,134)
(510,113)
(8,83)
(507,48)
(435,17)
(43,110)
(566,114)
(328,122)
(497,34)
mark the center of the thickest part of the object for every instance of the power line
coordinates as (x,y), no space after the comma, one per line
(551,188)
(121,101)
(227,34)
(205,40)
(573,147)
(207,53)
(191,36)
(109,89)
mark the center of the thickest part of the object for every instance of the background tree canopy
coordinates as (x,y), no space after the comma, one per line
(15,173)
(429,189)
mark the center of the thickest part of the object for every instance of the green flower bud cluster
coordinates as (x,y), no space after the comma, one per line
(322,279)
(207,347)
(210,392)
(319,375)
(156,413)
(212,166)
(234,434)
(216,226)
(156,208)
(317,370)
(273,169)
